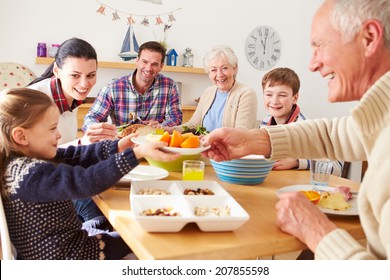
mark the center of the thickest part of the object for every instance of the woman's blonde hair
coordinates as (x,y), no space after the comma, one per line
(19,107)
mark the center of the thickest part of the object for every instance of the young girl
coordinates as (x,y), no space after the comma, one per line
(39,180)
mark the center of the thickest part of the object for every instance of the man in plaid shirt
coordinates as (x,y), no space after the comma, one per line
(145,94)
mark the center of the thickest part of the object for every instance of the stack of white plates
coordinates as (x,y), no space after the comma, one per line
(249,170)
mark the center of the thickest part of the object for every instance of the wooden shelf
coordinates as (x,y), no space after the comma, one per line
(188,107)
(130,65)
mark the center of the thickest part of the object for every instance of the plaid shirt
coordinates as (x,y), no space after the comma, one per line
(59,97)
(161,102)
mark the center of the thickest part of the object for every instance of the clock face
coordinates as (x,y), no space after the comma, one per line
(263,47)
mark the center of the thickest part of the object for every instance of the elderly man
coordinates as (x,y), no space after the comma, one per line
(351,48)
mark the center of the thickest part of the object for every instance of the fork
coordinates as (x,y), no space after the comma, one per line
(318,189)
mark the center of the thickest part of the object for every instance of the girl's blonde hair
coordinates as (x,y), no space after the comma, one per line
(19,107)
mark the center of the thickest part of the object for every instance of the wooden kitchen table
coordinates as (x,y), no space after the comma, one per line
(258,237)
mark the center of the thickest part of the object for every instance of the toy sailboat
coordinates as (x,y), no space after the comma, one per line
(130,46)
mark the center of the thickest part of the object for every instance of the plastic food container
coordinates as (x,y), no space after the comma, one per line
(218,211)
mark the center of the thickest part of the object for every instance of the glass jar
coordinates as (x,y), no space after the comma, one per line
(53,50)
(41,50)
(188,58)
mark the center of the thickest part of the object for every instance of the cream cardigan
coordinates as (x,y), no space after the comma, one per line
(362,136)
(240,108)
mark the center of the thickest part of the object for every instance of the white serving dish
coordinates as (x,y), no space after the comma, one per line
(237,217)
(213,186)
(185,204)
(168,186)
(161,223)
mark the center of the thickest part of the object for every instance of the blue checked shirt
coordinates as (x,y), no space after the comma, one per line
(161,102)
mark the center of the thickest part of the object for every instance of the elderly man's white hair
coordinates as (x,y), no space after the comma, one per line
(348,16)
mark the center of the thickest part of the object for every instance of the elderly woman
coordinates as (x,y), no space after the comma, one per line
(227,103)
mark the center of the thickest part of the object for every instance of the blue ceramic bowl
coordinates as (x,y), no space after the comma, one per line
(250,170)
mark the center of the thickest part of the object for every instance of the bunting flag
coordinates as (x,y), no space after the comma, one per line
(145,22)
(115,16)
(101,10)
(130,20)
(160,19)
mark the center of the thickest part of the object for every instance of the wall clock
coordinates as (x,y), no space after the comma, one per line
(263,47)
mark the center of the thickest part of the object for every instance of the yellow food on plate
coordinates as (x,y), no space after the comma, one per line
(333,201)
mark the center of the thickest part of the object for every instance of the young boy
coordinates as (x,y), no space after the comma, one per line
(280,96)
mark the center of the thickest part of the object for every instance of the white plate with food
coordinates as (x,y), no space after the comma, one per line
(140,128)
(183,151)
(144,173)
(352,210)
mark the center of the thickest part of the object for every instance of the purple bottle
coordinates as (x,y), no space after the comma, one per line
(41,50)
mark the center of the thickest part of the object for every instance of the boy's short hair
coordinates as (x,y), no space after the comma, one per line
(282,76)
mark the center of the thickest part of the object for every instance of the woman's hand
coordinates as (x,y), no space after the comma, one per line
(99,131)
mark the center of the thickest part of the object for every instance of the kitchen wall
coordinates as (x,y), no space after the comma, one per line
(199,25)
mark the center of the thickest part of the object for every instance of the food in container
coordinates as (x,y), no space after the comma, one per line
(217,212)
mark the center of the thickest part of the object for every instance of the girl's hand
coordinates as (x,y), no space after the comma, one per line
(126,142)
(150,149)
(153,150)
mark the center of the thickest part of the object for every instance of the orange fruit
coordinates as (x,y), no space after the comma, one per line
(176,139)
(191,142)
(186,135)
(313,196)
(166,137)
